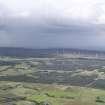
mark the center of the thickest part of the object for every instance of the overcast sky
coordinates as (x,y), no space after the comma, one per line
(53,23)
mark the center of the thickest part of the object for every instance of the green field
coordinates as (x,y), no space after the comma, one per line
(52,81)
(45,94)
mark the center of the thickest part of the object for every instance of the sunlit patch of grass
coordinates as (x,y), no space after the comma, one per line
(25,103)
(21,91)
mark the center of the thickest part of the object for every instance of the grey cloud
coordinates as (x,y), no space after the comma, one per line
(49,29)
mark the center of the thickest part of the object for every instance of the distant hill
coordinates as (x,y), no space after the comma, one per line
(28,52)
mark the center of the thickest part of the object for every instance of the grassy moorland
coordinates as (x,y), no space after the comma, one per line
(13,93)
(52,81)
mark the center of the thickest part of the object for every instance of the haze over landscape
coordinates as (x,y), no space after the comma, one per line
(52,24)
(52,52)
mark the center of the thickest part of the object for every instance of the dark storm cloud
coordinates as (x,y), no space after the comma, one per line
(50,23)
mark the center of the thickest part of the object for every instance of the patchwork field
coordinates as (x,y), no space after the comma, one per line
(52,81)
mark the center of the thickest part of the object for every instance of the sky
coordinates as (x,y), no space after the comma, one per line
(52,24)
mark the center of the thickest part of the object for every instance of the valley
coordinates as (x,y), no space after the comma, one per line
(58,80)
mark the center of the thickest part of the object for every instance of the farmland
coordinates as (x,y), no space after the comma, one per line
(52,80)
